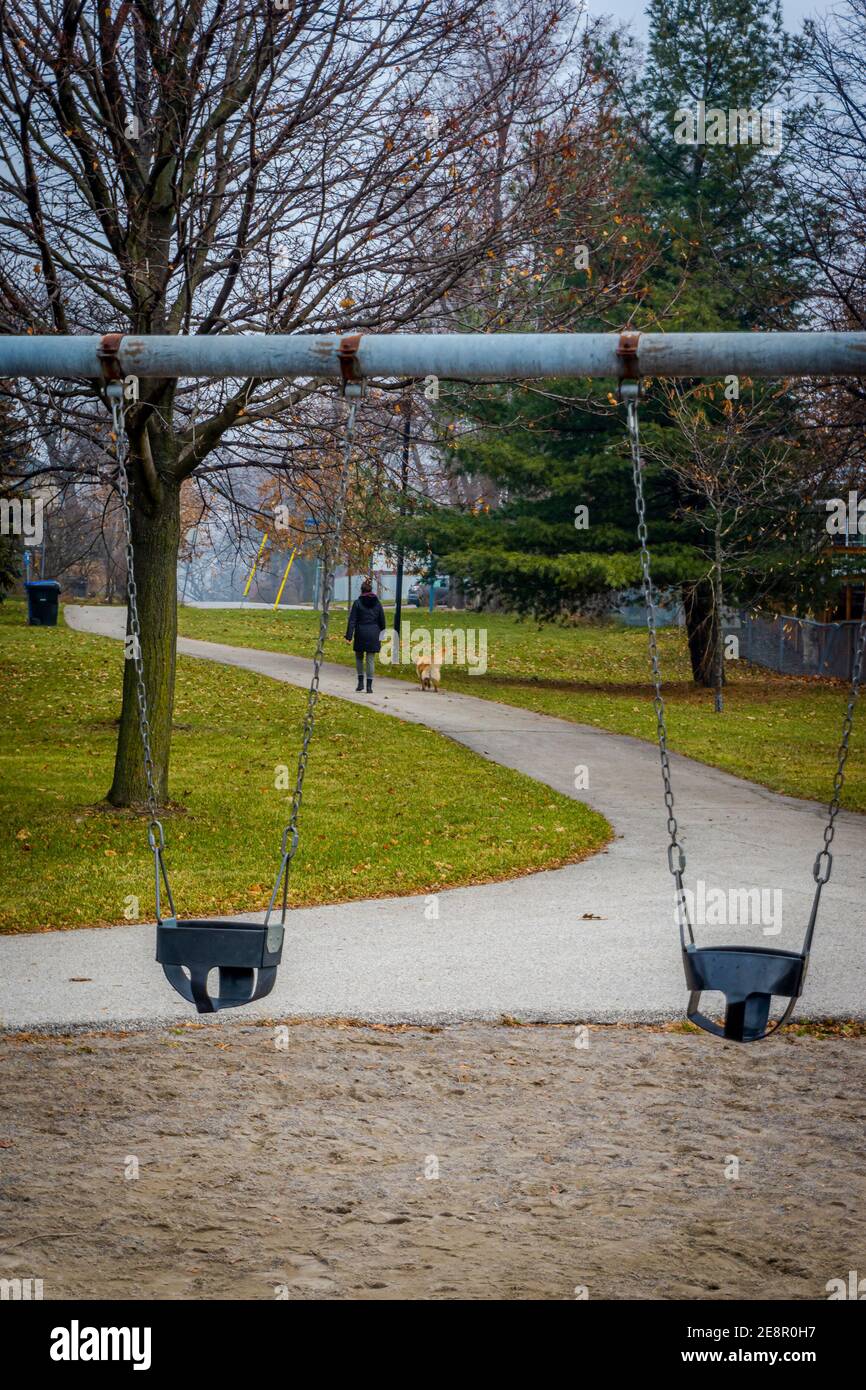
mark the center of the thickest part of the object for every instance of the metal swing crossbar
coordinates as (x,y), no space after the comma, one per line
(749,977)
(450,356)
(245,954)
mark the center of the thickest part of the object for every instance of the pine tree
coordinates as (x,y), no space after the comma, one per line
(726,260)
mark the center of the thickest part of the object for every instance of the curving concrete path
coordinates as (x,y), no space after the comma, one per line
(595,941)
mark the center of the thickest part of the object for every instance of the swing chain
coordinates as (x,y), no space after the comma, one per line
(823,866)
(114,391)
(331,551)
(155,836)
(630,392)
(824,863)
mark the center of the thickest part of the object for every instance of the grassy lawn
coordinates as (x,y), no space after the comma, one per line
(389,808)
(779,731)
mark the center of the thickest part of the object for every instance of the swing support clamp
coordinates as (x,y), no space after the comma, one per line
(629,384)
(113,381)
(107,352)
(353,384)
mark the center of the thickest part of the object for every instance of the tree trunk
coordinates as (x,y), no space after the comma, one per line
(155,538)
(699,610)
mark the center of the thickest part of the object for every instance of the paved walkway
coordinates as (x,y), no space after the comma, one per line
(594,941)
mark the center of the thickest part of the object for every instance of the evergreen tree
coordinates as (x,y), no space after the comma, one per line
(726,259)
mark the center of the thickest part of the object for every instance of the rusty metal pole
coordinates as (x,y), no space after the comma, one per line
(449,356)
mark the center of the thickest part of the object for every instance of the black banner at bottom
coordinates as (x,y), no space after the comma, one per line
(82,1338)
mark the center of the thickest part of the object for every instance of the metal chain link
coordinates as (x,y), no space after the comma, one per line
(121,445)
(824,861)
(825,858)
(332,547)
(630,392)
(155,837)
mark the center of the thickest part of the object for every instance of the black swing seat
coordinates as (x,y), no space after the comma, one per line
(748,977)
(245,953)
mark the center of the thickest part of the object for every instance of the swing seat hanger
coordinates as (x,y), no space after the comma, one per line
(629,385)
(245,955)
(748,977)
(353,385)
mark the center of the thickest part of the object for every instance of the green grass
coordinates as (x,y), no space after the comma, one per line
(781,732)
(389,808)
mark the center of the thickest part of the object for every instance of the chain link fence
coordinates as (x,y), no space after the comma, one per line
(797,646)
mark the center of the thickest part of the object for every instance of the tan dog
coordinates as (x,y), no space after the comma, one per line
(429,673)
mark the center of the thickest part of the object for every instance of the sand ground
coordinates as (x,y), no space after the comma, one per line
(304,1164)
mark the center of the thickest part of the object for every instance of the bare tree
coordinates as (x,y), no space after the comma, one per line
(830,200)
(832,161)
(745,488)
(213,166)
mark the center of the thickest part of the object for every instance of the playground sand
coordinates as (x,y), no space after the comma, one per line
(308,1170)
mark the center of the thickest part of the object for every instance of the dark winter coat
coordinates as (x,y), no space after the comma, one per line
(366,622)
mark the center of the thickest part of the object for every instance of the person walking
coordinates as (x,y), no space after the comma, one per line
(366,625)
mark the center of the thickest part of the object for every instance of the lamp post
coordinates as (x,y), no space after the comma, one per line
(404,484)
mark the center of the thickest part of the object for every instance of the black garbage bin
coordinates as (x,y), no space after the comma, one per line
(43,597)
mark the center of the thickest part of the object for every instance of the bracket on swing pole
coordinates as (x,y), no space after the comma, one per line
(113,376)
(352,383)
(629,385)
(109,361)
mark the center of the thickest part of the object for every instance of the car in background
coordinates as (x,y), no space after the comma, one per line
(418,594)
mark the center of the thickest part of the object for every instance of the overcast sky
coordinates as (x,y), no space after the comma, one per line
(631,12)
